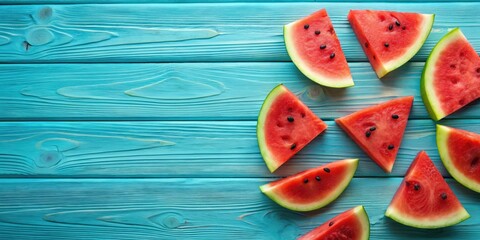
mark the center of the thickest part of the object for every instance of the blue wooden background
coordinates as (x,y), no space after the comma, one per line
(136,119)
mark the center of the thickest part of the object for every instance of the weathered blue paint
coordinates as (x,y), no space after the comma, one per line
(96,97)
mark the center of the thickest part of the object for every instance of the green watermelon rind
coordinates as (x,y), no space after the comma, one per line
(362,215)
(425,32)
(262,116)
(443,133)
(312,75)
(455,218)
(430,100)
(353,164)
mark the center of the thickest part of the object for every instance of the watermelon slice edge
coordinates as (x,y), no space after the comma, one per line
(304,192)
(285,126)
(458,163)
(312,53)
(351,224)
(454,86)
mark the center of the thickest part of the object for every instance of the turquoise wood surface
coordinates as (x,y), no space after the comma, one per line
(184,149)
(193,208)
(169,33)
(190,91)
(137,120)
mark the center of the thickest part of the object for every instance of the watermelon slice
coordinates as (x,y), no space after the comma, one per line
(352,224)
(379,129)
(285,125)
(314,48)
(390,39)
(460,154)
(424,199)
(314,188)
(451,76)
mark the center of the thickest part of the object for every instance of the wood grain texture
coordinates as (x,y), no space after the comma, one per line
(189,91)
(187,208)
(192,32)
(183,149)
(137,121)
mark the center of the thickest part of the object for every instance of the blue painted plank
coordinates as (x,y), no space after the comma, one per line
(193,91)
(192,208)
(183,149)
(191,32)
(5,2)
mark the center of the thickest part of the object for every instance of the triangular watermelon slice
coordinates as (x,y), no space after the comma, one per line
(352,224)
(390,39)
(379,129)
(314,188)
(285,125)
(451,76)
(460,154)
(314,48)
(424,199)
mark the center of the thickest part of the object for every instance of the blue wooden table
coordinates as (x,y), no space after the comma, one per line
(125,120)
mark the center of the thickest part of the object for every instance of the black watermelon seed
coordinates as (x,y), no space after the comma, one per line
(397,23)
(305,180)
(330,224)
(317,178)
(293,146)
(332,55)
(394,116)
(366,44)
(390,27)
(416,186)
(326,169)
(323,46)
(290,119)
(306,26)
(317,32)
(386,44)
(390,147)
(474,162)
(443,196)
(373,128)
(368,133)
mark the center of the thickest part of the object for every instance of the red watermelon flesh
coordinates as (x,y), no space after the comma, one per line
(424,199)
(285,125)
(314,48)
(313,188)
(460,154)
(352,224)
(390,39)
(379,129)
(451,76)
